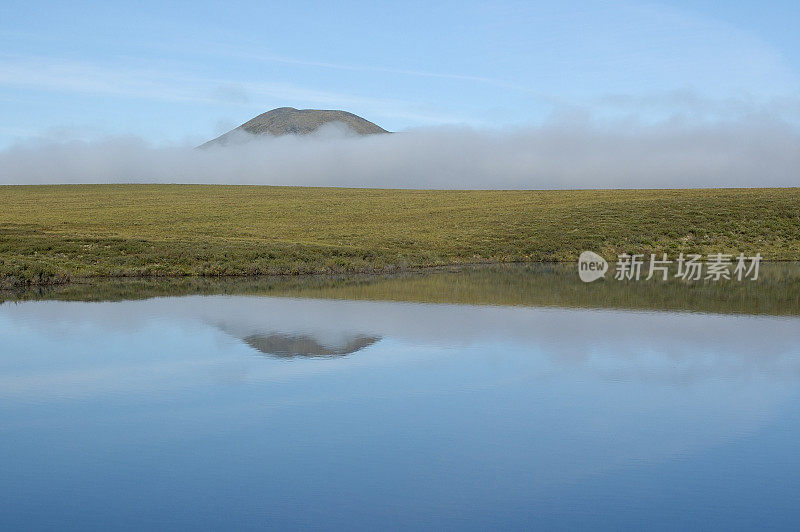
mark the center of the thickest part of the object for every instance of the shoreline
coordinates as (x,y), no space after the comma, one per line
(454,267)
(385,272)
(556,285)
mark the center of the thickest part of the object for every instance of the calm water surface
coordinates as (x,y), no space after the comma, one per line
(254,411)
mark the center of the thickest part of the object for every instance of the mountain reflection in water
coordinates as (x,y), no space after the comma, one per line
(288,345)
(479,400)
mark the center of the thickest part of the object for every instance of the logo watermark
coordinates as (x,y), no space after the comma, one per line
(591,266)
(689,267)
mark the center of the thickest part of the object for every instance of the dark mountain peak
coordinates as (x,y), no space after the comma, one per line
(291,121)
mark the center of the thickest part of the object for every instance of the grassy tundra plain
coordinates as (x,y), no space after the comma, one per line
(51,234)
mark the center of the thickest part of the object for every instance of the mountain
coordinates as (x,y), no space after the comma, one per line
(291,121)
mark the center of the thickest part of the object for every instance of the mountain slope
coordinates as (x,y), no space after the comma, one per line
(291,121)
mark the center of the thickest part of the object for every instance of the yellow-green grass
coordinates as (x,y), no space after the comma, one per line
(55,233)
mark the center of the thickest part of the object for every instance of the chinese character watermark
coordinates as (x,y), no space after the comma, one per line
(689,267)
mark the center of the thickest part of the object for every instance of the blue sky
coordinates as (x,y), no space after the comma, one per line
(174,72)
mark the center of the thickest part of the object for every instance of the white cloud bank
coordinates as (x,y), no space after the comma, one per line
(745,153)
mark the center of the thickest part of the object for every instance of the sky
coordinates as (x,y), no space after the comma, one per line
(176,74)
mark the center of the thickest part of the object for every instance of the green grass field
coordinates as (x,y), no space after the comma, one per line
(56,233)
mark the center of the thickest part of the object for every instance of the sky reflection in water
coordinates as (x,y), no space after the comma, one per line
(232,411)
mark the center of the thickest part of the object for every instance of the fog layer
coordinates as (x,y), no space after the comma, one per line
(737,154)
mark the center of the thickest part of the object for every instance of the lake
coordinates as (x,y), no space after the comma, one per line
(502,397)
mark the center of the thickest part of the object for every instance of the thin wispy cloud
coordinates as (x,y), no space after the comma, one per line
(269,58)
(55,74)
(691,104)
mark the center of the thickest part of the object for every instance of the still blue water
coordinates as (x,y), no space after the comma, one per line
(267,412)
